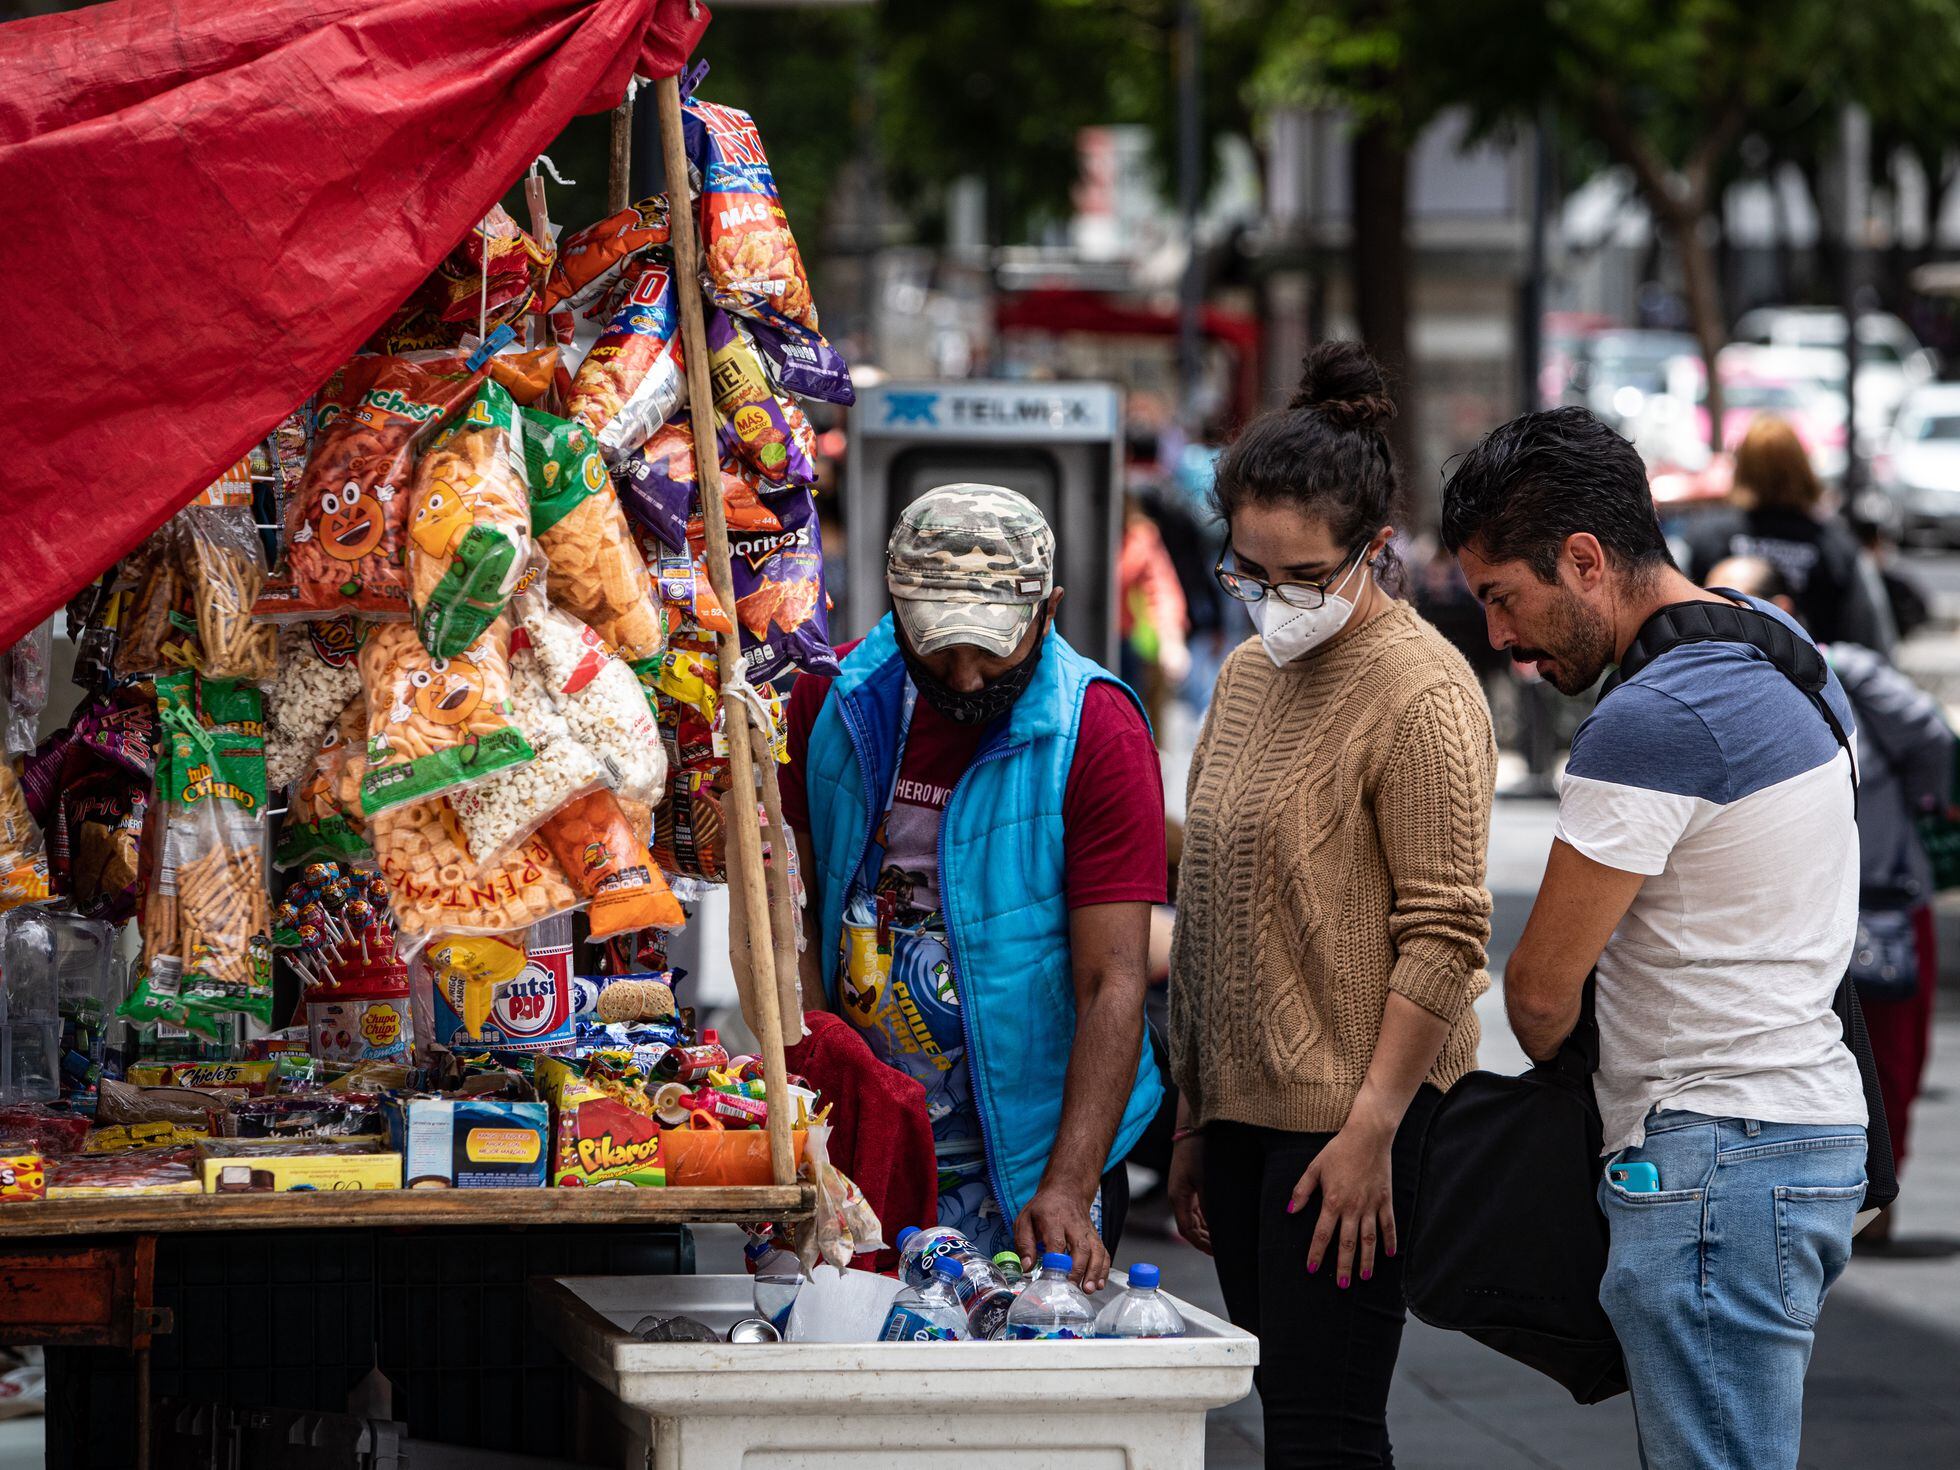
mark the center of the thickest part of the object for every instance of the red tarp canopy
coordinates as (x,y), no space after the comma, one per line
(211,205)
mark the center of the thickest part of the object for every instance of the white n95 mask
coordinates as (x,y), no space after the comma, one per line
(1288,632)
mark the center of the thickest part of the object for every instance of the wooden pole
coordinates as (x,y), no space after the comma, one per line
(619,172)
(782,903)
(747,883)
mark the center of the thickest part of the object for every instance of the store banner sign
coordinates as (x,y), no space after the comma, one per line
(1034,411)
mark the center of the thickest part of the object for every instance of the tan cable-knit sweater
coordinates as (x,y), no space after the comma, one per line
(1334,843)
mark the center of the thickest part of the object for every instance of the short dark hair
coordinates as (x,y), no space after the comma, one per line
(1544,476)
(1324,453)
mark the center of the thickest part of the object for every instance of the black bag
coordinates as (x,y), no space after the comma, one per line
(1507,1241)
(1509,1244)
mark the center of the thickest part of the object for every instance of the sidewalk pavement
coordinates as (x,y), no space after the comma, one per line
(1882,1385)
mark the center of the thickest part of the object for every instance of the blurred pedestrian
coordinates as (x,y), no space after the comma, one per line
(1332,916)
(1703,886)
(1150,613)
(1775,512)
(1905,769)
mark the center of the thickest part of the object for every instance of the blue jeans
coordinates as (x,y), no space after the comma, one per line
(1714,1283)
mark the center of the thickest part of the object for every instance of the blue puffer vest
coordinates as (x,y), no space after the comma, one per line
(1000,882)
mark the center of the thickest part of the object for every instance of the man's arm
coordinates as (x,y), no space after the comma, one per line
(1110,945)
(809,963)
(1580,903)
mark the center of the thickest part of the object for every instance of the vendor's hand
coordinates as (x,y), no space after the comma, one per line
(1186,1189)
(1357,1202)
(1057,1219)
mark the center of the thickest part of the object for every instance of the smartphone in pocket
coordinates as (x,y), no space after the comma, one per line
(1638,1177)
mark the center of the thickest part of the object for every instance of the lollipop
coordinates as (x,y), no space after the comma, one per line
(360,919)
(309,941)
(314,873)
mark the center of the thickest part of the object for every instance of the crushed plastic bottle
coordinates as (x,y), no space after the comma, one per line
(1141,1311)
(1051,1306)
(930,1313)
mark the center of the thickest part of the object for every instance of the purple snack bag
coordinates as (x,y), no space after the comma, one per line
(656,484)
(754,427)
(780,603)
(801,361)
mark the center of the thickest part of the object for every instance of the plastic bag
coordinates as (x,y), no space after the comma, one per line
(800,361)
(346,527)
(226,560)
(24,690)
(753,265)
(320,825)
(97,841)
(690,832)
(498,814)
(595,571)
(631,381)
(319,671)
(501,287)
(681,580)
(662,490)
(600,697)
(754,424)
(469,524)
(434,885)
(435,724)
(23,855)
(608,862)
(780,601)
(844,1225)
(155,631)
(585,285)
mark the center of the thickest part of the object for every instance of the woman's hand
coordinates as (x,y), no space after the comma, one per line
(1356,1198)
(1187,1176)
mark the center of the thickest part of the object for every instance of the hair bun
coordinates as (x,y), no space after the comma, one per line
(1342,383)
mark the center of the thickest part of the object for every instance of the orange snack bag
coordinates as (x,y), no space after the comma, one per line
(608,862)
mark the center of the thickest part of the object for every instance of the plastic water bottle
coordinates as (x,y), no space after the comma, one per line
(930,1313)
(1141,1311)
(1050,1305)
(918,1249)
(778,1278)
(1008,1263)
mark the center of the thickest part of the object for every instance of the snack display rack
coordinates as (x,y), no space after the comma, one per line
(79,1272)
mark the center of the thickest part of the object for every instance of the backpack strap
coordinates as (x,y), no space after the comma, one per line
(1791,654)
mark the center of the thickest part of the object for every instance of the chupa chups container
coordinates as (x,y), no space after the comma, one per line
(364,1018)
(531,1013)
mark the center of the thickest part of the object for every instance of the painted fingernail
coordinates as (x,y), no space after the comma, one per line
(1367,1275)
(1292,1205)
(1391,1250)
(1312,1266)
(1342,1283)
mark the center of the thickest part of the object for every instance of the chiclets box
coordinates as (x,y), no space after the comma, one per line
(471,1143)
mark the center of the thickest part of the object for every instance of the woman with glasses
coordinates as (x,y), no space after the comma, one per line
(1332,916)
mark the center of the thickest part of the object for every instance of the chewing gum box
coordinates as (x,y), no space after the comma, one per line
(470,1142)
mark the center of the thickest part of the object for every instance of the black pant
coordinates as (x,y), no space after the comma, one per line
(1115,1205)
(1326,1355)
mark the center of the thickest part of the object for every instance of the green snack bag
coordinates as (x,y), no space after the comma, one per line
(435,724)
(469,524)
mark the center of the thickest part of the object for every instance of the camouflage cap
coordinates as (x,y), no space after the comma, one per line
(969,564)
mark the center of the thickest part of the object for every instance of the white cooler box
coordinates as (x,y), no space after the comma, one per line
(1097,1405)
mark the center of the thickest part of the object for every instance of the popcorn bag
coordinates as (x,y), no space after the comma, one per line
(601,698)
(319,671)
(435,724)
(469,524)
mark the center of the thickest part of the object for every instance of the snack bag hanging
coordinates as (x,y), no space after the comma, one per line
(319,671)
(346,527)
(800,361)
(600,697)
(585,286)
(690,832)
(631,381)
(754,423)
(434,885)
(469,524)
(435,724)
(23,854)
(497,269)
(225,562)
(157,632)
(780,603)
(318,824)
(662,490)
(753,265)
(608,862)
(594,568)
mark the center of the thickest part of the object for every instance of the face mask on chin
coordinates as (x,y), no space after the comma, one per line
(977,707)
(1289,633)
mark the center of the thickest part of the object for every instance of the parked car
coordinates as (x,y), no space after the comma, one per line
(1920,465)
(1671,431)
(1891,363)
(1615,373)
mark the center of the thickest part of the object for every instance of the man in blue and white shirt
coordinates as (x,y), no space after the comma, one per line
(1706,870)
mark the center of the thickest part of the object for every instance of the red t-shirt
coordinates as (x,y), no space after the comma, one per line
(1112,811)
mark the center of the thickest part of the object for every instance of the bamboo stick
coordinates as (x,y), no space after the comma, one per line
(747,883)
(619,172)
(782,903)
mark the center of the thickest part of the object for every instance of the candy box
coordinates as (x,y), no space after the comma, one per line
(596,1137)
(248,1166)
(470,1143)
(244,1077)
(23,1176)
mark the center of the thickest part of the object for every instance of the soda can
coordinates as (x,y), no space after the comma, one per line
(754,1329)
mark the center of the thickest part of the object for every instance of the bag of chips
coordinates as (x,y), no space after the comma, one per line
(319,671)
(780,602)
(435,724)
(595,571)
(24,876)
(585,281)
(320,824)
(663,493)
(631,381)
(469,524)
(156,629)
(346,528)
(754,424)
(753,265)
(609,864)
(690,833)
(495,271)
(800,361)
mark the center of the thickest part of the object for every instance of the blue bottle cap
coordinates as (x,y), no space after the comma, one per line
(906,1234)
(1057,1261)
(948,1269)
(1144,1276)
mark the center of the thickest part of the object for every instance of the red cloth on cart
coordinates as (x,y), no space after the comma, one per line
(880,1135)
(212,204)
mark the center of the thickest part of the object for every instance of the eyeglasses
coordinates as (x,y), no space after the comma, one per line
(1309,595)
